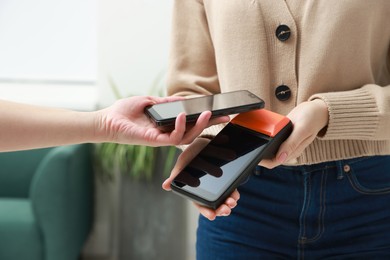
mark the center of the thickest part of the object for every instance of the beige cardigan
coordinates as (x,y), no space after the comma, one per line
(338,51)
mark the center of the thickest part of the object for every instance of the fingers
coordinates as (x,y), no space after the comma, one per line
(224,210)
(290,149)
(218,120)
(269,163)
(203,121)
(167,99)
(176,136)
(235,195)
(180,136)
(206,212)
(197,129)
(286,150)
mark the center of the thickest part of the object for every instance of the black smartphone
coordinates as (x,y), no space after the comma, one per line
(234,102)
(231,157)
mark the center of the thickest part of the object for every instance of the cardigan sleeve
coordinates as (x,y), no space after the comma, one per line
(192,69)
(360,114)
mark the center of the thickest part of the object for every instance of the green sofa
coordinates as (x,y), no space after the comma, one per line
(46,203)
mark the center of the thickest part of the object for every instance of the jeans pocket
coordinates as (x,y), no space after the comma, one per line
(371,175)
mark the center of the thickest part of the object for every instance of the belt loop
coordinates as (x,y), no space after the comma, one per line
(340,170)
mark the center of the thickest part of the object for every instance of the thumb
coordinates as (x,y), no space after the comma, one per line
(167,184)
(279,158)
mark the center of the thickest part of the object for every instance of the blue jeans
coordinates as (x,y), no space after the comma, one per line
(333,210)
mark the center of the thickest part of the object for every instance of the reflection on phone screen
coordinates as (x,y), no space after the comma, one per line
(221,162)
(195,106)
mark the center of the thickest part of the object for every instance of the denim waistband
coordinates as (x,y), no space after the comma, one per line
(319,166)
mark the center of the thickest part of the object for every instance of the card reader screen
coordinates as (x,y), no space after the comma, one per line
(221,162)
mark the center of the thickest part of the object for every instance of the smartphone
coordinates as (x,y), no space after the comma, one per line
(231,156)
(164,114)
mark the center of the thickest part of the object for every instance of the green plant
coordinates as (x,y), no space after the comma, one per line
(136,160)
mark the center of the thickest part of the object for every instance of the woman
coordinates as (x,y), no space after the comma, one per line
(326,65)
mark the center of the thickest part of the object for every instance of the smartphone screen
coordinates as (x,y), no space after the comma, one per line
(219,104)
(234,151)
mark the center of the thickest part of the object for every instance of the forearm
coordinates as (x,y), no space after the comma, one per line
(27,127)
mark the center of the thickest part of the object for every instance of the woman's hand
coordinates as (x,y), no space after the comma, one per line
(185,157)
(308,119)
(126,122)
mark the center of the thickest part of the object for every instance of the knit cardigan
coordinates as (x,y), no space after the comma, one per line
(338,51)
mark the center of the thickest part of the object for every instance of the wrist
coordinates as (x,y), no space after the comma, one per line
(97,122)
(323,115)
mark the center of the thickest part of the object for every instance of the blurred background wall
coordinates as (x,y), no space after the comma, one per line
(133,42)
(69,53)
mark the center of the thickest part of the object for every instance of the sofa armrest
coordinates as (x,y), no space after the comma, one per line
(17,170)
(61,194)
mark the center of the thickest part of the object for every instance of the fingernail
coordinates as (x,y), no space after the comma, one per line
(282,157)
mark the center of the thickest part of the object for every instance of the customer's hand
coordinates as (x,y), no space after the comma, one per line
(308,119)
(126,122)
(185,157)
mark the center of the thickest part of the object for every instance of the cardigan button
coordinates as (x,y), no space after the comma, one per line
(283,32)
(283,92)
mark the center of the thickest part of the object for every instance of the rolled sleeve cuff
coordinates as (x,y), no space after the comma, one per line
(353,114)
